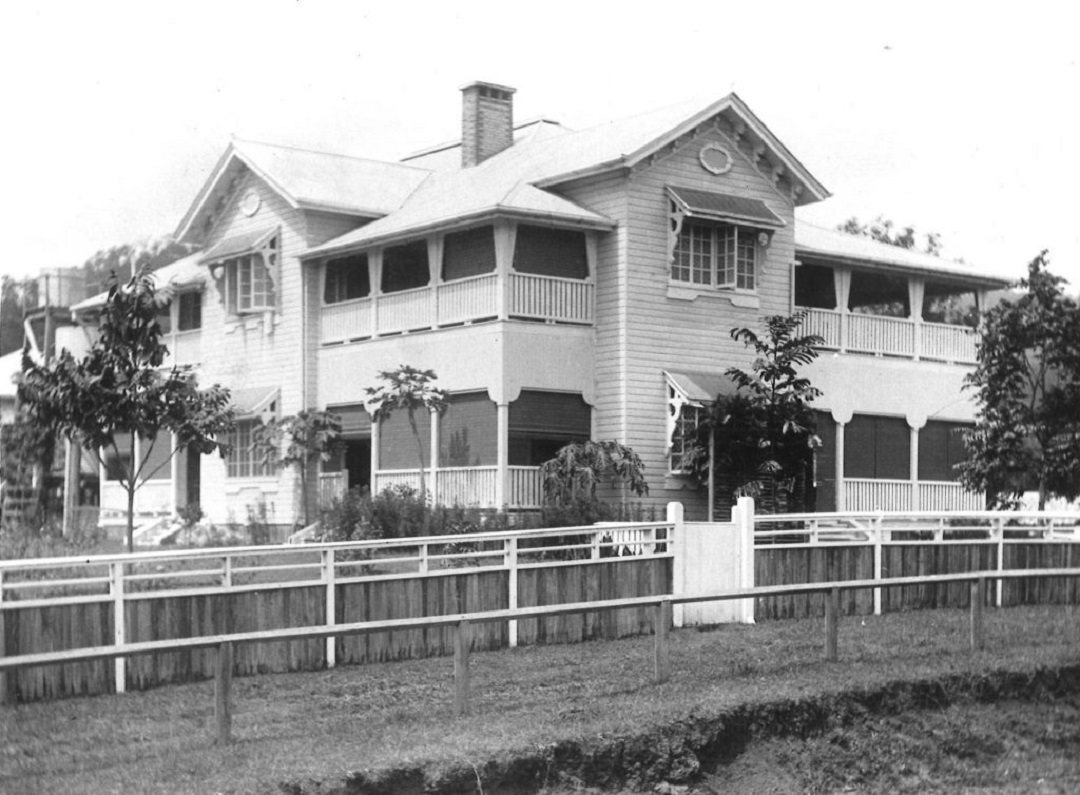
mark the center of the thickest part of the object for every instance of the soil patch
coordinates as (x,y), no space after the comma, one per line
(996,732)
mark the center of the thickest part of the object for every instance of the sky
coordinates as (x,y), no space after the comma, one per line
(953,118)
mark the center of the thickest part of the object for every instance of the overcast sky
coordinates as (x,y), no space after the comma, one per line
(959,122)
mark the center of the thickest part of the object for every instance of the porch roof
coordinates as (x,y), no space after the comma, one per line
(830,244)
(698,387)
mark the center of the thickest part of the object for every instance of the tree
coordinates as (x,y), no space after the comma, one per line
(1027,394)
(578,468)
(884,231)
(411,390)
(119,389)
(764,434)
(150,254)
(308,437)
(15,296)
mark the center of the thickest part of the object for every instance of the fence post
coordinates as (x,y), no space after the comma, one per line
(977,634)
(877,525)
(330,578)
(999,528)
(679,563)
(423,563)
(832,622)
(511,563)
(3,642)
(223,691)
(116,590)
(661,648)
(226,572)
(461,669)
(743,514)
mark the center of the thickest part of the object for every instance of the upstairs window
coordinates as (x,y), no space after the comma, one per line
(545,251)
(716,237)
(247,264)
(468,253)
(189,311)
(405,267)
(346,279)
(715,255)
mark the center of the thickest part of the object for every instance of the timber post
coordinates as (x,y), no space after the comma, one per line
(978,634)
(223,692)
(661,647)
(832,622)
(461,669)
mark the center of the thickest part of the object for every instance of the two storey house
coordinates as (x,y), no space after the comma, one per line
(563,285)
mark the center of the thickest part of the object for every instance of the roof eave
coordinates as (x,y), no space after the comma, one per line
(598,223)
(829,258)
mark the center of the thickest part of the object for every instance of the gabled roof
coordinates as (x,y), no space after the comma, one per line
(830,244)
(308,180)
(515,180)
(184,272)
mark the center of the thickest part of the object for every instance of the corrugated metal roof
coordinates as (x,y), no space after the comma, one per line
(834,244)
(725,207)
(326,180)
(186,272)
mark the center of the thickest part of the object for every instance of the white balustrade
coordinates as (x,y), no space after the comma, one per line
(943,496)
(467,486)
(525,489)
(332,486)
(880,334)
(469,299)
(349,320)
(948,343)
(407,310)
(551,298)
(398,477)
(866,494)
(825,323)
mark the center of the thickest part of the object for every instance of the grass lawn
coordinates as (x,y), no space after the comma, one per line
(319,726)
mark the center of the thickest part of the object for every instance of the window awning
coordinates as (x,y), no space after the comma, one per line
(725,207)
(355,420)
(238,245)
(699,389)
(253,401)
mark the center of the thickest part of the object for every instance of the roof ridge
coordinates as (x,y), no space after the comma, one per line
(326,153)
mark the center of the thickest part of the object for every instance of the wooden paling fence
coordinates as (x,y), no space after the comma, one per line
(797,548)
(67,604)
(462,626)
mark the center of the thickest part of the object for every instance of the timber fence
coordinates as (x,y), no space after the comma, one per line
(837,547)
(61,604)
(464,639)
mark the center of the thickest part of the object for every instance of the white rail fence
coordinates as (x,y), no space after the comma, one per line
(996,530)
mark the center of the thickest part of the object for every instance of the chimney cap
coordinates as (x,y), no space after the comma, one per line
(479,84)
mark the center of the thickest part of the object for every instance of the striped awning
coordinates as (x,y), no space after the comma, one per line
(699,388)
(725,207)
(238,245)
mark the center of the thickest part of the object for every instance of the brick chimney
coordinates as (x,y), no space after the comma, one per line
(487,121)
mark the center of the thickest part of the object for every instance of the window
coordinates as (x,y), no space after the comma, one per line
(346,278)
(814,287)
(189,311)
(248,284)
(243,460)
(541,423)
(941,448)
(877,447)
(551,252)
(684,438)
(715,255)
(468,253)
(405,267)
(468,431)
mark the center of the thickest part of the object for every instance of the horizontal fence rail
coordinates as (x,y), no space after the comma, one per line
(857,545)
(58,603)
(662,605)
